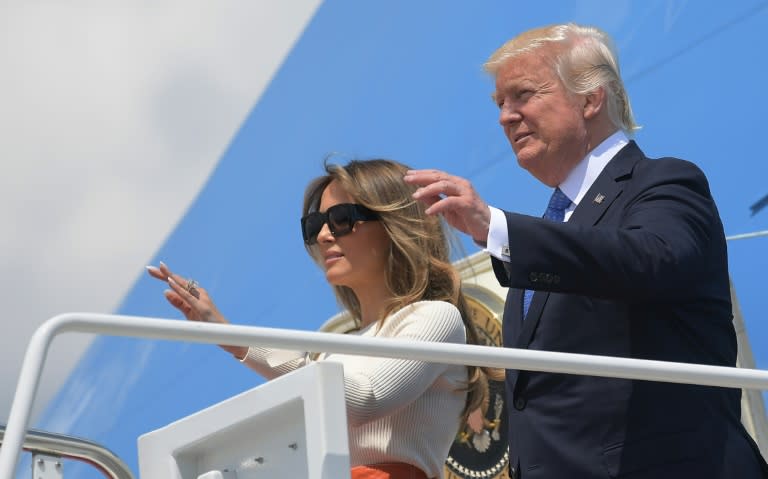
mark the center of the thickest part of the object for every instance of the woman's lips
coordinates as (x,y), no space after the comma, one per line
(332,257)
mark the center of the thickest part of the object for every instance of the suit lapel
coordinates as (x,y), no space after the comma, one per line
(603,192)
(532,319)
(606,188)
(596,202)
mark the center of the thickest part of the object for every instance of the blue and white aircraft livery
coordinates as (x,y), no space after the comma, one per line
(186,132)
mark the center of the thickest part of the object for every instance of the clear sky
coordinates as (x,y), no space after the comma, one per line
(235,121)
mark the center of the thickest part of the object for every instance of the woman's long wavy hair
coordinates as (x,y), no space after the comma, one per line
(419,266)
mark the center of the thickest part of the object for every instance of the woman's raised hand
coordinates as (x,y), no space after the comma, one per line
(193,301)
(187,296)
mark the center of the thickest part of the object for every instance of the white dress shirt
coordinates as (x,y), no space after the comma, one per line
(575,186)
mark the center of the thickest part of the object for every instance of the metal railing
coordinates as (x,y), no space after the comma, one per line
(754,234)
(74,448)
(507,358)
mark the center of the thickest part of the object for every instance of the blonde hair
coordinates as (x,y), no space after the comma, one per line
(418,264)
(585,59)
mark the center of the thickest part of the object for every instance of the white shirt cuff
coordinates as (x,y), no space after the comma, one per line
(498,235)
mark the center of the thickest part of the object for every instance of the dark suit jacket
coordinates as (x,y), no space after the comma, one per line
(640,270)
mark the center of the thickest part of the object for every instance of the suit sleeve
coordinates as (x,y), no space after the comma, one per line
(659,237)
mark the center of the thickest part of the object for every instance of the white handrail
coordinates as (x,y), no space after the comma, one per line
(76,449)
(754,234)
(508,358)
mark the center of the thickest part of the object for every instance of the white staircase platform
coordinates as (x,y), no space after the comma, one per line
(292,426)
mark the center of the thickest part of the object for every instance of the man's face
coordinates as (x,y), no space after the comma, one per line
(543,122)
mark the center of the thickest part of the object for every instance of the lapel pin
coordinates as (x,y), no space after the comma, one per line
(599,198)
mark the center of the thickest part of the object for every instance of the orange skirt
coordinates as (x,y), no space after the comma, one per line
(390,470)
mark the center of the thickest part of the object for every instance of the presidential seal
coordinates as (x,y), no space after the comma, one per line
(480,449)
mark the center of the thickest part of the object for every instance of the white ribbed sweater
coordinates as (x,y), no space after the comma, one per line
(397,410)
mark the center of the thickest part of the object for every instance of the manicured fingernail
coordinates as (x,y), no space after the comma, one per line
(152,268)
(171,281)
(163,265)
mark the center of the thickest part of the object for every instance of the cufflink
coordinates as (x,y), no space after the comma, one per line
(505,251)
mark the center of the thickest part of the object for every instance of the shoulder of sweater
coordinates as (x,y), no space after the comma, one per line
(437,317)
(439,309)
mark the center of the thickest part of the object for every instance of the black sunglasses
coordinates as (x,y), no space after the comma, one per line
(341,219)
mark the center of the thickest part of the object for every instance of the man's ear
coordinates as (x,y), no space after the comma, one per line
(594,102)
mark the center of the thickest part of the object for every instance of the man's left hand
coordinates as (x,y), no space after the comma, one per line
(453,197)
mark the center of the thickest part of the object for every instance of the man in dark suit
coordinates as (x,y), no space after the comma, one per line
(629,260)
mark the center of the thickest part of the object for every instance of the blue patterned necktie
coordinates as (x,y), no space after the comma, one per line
(558,203)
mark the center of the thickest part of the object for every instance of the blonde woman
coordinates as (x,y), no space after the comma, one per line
(389,265)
